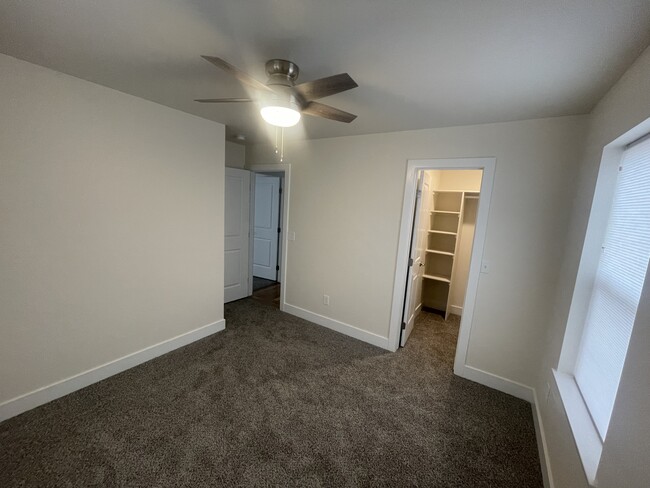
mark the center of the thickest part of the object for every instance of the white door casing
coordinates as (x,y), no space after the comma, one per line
(266,225)
(237,230)
(414,166)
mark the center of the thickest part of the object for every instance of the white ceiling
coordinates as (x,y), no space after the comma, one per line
(419,64)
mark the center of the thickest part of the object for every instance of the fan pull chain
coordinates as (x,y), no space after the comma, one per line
(276,139)
(281,144)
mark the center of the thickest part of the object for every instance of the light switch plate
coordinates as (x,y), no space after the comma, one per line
(485,267)
(292,236)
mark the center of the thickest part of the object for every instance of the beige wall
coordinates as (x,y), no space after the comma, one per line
(346,202)
(624,461)
(111,238)
(460,180)
(235,155)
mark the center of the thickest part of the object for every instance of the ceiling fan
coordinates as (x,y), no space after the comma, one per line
(282,100)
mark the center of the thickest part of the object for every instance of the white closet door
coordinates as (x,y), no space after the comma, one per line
(237,230)
(413,300)
(421,245)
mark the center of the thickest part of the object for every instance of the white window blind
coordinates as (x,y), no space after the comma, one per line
(617,287)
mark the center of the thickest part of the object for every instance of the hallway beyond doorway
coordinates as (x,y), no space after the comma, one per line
(266,291)
(261,283)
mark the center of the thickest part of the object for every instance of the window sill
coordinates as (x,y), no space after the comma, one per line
(588,442)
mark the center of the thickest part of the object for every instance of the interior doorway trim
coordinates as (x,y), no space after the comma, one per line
(285,169)
(488,165)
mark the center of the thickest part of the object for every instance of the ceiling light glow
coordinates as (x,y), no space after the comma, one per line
(280,116)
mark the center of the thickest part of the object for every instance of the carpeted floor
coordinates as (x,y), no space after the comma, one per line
(276,401)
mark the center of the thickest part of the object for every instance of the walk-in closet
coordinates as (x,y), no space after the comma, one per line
(445,233)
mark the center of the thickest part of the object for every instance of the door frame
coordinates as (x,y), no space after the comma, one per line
(488,165)
(285,171)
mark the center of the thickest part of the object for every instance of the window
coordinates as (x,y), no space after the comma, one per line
(617,288)
(609,283)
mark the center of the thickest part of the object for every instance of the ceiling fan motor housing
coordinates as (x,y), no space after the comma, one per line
(282,76)
(283,96)
(281,72)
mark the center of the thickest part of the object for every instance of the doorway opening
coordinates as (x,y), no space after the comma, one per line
(441,245)
(444,222)
(268,220)
(266,237)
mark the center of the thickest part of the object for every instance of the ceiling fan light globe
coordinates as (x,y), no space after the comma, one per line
(280,116)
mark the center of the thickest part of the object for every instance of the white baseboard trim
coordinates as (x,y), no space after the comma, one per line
(542,446)
(456,310)
(46,394)
(343,328)
(519,390)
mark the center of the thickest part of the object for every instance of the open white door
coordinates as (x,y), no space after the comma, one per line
(237,229)
(412,301)
(266,226)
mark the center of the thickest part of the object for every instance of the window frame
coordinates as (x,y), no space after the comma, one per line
(586,436)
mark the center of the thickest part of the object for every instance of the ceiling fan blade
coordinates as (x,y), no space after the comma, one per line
(241,76)
(324,87)
(321,110)
(222,100)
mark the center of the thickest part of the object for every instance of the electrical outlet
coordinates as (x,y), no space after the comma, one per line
(326,299)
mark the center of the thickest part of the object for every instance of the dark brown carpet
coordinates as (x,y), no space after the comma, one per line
(276,401)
